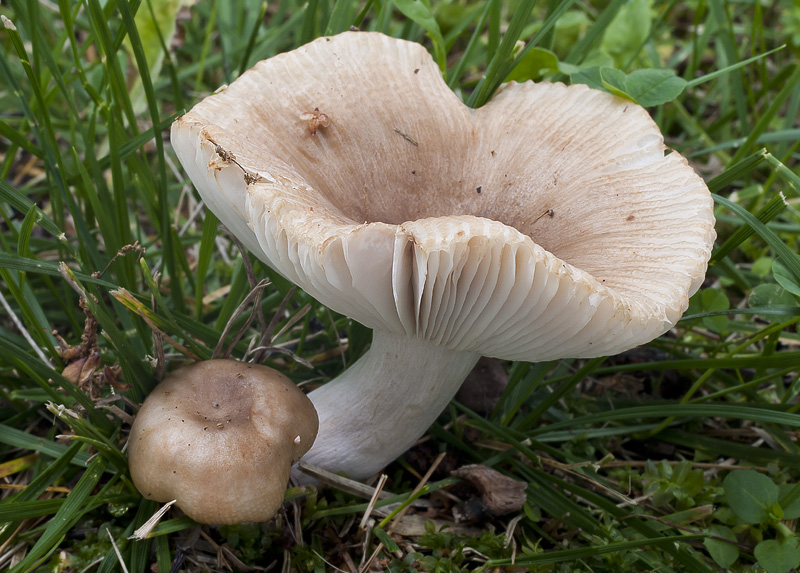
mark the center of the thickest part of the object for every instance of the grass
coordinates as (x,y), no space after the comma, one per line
(111,273)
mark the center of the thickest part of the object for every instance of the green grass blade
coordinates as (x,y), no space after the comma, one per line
(24,440)
(567,386)
(342,17)
(728,69)
(70,512)
(455,74)
(766,118)
(594,34)
(786,254)
(768,212)
(761,414)
(420,12)
(207,246)
(502,62)
(736,171)
(563,555)
(252,39)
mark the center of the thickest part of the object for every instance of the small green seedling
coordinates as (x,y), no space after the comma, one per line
(761,506)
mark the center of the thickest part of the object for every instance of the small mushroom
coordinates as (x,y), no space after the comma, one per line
(379,217)
(220,437)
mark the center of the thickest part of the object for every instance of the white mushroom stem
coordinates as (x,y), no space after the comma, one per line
(382,404)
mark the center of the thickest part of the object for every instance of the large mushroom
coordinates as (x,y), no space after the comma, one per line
(220,438)
(550,223)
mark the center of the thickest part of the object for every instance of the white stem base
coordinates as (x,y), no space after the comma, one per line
(382,404)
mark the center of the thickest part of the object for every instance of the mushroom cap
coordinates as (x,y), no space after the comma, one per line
(220,437)
(552,222)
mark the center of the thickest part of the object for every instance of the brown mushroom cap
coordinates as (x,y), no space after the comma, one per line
(220,437)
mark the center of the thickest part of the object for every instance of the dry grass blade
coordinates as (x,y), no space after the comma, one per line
(127,299)
(266,336)
(340,482)
(158,349)
(254,297)
(17,465)
(248,269)
(365,566)
(116,551)
(144,531)
(294,319)
(372,501)
(22,330)
(267,350)
(568,469)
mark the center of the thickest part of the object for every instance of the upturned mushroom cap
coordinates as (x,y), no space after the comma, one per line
(220,437)
(552,222)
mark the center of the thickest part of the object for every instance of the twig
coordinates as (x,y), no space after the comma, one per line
(117,411)
(328,563)
(135,247)
(407,137)
(229,157)
(174,343)
(510,528)
(548,212)
(6,557)
(417,489)
(191,219)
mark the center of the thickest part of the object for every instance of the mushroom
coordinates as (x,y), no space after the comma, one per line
(550,223)
(220,437)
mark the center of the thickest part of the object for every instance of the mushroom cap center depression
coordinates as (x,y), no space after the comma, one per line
(584,189)
(435,181)
(221,404)
(587,198)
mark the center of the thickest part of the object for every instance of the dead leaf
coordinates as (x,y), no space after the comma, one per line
(500,494)
(80,371)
